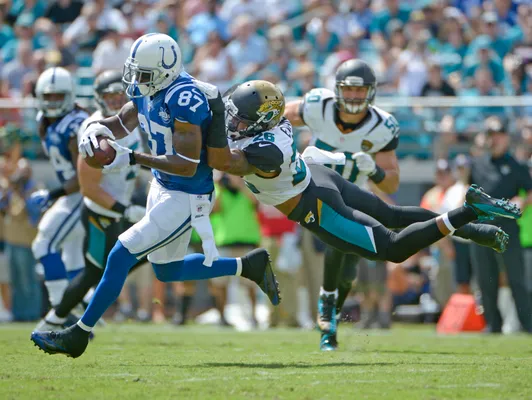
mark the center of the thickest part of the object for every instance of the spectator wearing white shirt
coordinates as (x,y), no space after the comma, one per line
(111,53)
(106,18)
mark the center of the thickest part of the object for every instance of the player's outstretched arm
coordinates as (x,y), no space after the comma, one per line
(293,112)
(186,141)
(124,122)
(387,161)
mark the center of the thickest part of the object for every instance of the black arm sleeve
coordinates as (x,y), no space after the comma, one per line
(265,156)
(217,136)
(392,144)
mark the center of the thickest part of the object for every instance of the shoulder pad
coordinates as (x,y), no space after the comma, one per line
(186,103)
(314,104)
(386,134)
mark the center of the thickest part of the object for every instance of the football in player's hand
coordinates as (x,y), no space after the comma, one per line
(104,155)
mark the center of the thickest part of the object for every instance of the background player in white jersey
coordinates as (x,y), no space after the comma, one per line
(60,234)
(346,121)
(168,106)
(104,194)
(344,216)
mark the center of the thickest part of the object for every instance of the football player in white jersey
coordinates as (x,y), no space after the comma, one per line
(101,191)
(344,216)
(347,121)
(58,244)
(168,105)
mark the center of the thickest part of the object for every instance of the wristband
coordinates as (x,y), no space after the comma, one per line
(119,208)
(56,193)
(377,175)
(132,159)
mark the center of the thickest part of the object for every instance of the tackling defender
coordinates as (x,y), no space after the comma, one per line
(57,245)
(169,107)
(102,193)
(348,218)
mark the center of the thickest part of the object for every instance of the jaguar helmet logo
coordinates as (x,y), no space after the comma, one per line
(269,110)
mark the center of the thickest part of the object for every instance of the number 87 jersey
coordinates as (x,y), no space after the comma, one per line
(275,151)
(379,131)
(183,102)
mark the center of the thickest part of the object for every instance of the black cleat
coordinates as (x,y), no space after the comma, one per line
(487,207)
(71,342)
(257,266)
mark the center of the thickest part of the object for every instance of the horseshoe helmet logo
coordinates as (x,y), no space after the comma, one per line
(171,65)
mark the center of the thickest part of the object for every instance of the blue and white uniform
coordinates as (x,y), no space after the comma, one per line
(164,233)
(60,227)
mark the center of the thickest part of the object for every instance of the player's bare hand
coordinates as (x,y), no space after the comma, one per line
(365,163)
(88,138)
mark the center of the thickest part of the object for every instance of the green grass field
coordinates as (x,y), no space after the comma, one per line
(164,362)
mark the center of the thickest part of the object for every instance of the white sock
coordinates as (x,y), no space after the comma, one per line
(87,298)
(53,318)
(324,292)
(238,266)
(447,222)
(56,289)
(84,327)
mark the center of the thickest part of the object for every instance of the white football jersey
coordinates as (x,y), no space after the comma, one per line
(378,132)
(275,151)
(119,184)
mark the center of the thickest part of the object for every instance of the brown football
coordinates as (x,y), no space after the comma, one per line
(104,155)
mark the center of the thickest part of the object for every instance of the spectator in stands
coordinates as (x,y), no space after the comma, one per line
(203,24)
(19,232)
(6,32)
(212,64)
(111,52)
(505,14)
(387,70)
(23,32)
(393,10)
(499,42)
(436,85)
(412,64)
(484,58)
(31,8)
(303,80)
(468,118)
(14,72)
(396,34)
(63,11)
(323,41)
(233,9)
(452,42)
(86,31)
(137,16)
(248,50)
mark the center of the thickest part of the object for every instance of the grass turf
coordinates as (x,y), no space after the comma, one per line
(164,362)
